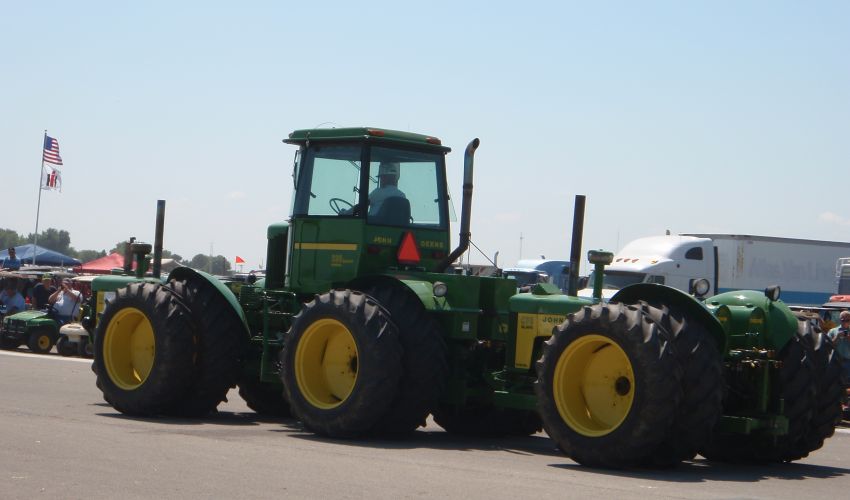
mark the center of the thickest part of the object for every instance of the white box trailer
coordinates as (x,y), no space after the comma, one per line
(804,269)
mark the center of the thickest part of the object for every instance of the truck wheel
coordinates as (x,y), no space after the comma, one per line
(608,387)
(41,340)
(341,364)
(703,385)
(65,347)
(144,350)
(264,398)
(219,338)
(827,381)
(490,421)
(424,359)
(796,388)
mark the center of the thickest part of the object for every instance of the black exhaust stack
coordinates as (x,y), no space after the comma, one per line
(575,244)
(157,241)
(466,210)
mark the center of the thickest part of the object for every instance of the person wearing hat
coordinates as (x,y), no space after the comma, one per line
(388,174)
(65,302)
(42,291)
(840,337)
(10,298)
(12,262)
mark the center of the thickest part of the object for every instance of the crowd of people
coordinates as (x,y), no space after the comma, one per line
(53,294)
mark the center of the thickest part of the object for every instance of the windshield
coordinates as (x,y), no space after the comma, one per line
(615,280)
(401,187)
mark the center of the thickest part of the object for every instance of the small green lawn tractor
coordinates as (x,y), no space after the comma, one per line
(33,328)
(360,327)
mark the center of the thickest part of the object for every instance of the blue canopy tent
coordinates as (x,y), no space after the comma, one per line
(43,256)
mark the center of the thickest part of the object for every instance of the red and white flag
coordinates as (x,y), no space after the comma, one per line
(51,178)
(240,260)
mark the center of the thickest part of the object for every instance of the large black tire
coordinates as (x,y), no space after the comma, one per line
(220,338)
(145,351)
(796,388)
(487,420)
(702,384)
(827,379)
(41,340)
(65,347)
(341,364)
(424,360)
(264,398)
(608,386)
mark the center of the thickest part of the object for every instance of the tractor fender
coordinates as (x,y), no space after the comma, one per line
(656,295)
(204,279)
(422,289)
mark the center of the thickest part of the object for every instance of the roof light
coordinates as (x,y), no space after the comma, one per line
(375,132)
(408,253)
(433,140)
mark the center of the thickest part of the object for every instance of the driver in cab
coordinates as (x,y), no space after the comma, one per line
(388,173)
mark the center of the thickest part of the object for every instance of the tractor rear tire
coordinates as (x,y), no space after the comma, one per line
(487,421)
(41,340)
(795,385)
(220,339)
(827,380)
(264,398)
(341,365)
(608,386)
(65,347)
(424,359)
(145,351)
(702,378)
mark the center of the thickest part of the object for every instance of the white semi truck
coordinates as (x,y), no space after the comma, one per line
(804,269)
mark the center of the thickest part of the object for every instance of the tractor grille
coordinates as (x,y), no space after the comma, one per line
(14,327)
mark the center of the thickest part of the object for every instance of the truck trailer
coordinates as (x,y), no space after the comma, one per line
(803,268)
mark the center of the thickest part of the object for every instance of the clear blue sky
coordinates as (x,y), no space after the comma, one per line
(729,117)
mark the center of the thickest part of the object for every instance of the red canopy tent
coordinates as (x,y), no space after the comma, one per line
(103,265)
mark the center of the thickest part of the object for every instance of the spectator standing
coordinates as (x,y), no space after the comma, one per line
(12,262)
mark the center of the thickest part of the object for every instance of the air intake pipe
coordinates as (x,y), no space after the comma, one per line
(466,210)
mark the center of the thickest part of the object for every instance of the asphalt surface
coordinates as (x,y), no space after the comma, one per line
(59,439)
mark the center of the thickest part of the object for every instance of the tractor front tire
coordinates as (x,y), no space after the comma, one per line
(341,364)
(41,340)
(826,365)
(608,386)
(144,350)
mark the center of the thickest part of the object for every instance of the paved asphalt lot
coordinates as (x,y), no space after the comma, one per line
(58,439)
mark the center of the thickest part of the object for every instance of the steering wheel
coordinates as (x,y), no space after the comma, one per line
(335,205)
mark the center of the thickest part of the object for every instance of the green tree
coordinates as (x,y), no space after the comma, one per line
(53,239)
(218,265)
(9,238)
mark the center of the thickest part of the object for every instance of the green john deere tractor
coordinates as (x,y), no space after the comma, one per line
(361,326)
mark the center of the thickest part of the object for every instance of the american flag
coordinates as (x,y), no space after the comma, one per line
(51,151)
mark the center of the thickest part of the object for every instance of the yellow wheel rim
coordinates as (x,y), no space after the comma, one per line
(44,342)
(129,348)
(326,363)
(594,385)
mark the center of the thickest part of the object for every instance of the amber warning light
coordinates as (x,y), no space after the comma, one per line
(408,253)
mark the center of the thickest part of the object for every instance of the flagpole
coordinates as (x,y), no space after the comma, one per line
(38,209)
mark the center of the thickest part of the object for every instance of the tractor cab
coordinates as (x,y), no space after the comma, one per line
(366,201)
